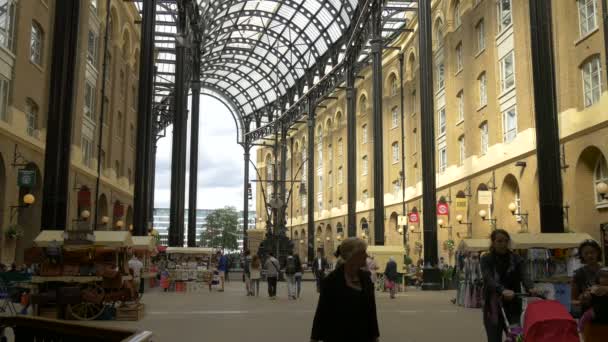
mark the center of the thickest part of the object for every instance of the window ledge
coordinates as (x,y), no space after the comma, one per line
(460,122)
(505,31)
(37,66)
(506,92)
(480,52)
(458,72)
(603,205)
(586,36)
(441,136)
(395,162)
(480,108)
(394,127)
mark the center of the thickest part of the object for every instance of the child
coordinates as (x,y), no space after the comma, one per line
(598,313)
(164,280)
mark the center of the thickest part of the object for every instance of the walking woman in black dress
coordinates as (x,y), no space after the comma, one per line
(347,304)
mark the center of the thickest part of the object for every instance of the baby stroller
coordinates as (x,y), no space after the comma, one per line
(548,320)
(514,330)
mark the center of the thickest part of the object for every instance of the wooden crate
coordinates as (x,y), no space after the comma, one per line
(130,312)
(48,312)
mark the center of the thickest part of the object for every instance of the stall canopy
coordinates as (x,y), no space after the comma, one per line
(382,254)
(474,245)
(102,238)
(548,240)
(144,243)
(189,250)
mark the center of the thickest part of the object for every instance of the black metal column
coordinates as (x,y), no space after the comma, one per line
(547,130)
(56,189)
(143,155)
(152,178)
(246,197)
(192,191)
(377,44)
(402,105)
(311,180)
(351,147)
(178,157)
(283,180)
(432,277)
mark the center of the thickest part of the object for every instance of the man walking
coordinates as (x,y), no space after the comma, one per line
(222,265)
(135,265)
(319,266)
(290,275)
(247,272)
(298,275)
(272,274)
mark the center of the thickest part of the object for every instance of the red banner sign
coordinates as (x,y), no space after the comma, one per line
(414,217)
(442,209)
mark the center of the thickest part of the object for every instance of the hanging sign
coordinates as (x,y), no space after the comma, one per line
(414,217)
(26,178)
(442,209)
(402,220)
(460,205)
(484,197)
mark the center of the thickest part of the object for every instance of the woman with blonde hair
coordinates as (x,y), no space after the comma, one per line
(255,270)
(347,299)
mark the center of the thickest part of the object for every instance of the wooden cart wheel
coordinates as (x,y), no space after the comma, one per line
(88,310)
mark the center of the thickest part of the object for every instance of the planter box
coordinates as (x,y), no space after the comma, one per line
(130,312)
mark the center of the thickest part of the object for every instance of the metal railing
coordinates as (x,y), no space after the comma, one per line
(50,330)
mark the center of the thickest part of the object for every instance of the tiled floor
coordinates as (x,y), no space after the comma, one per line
(415,316)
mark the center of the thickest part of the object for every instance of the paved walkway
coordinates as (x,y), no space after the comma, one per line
(415,316)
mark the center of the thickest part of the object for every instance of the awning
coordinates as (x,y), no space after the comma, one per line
(102,238)
(382,254)
(548,240)
(189,250)
(144,243)
(474,245)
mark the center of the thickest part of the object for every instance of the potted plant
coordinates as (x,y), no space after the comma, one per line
(14,232)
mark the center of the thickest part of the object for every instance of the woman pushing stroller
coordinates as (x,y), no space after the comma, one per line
(503,274)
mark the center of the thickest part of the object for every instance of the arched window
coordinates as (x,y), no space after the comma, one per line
(600,176)
(363,104)
(364,166)
(439,32)
(457,18)
(394,85)
(36,41)
(395,152)
(31,113)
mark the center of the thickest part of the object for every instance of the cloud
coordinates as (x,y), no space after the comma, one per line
(220,161)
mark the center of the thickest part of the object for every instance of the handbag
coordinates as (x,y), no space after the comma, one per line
(388,284)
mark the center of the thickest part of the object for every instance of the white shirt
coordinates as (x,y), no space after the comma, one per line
(136,266)
(320,262)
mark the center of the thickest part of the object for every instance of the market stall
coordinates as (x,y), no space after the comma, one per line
(551,260)
(381,256)
(190,268)
(145,248)
(84,276)
(470,285)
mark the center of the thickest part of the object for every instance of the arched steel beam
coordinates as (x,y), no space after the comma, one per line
(262,59)
(285,22)
(254,83)
(227,101)
(291,46)
(248,63)
(236,85)
(294,5)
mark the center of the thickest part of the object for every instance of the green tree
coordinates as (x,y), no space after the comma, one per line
(222,229)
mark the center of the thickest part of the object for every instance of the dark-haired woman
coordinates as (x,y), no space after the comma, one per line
(503,275)
(585,277)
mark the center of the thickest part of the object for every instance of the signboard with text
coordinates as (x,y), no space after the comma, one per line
(402,220)
(460,205)
(26,178)
(484,197)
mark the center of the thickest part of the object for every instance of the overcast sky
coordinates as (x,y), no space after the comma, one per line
(220,161)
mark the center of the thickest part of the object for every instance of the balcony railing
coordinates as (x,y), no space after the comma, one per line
(49,330)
